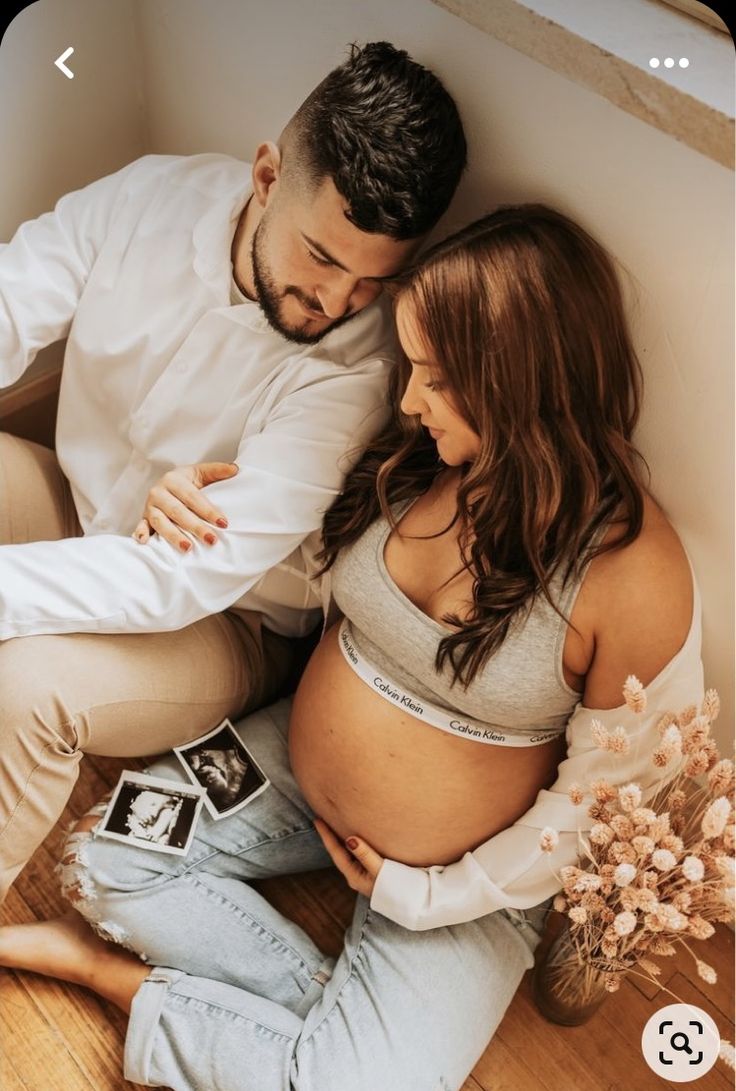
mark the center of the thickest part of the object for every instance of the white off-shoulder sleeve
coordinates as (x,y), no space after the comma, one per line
(510,870)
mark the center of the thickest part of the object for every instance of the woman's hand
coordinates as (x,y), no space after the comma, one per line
(175,504)
(360,865)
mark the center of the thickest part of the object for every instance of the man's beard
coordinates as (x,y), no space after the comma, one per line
(270,299)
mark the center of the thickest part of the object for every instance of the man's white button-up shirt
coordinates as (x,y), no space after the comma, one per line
(161,369)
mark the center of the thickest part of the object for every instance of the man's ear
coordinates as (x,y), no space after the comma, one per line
(266,172)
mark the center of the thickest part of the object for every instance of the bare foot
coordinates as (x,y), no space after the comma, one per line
(68,949)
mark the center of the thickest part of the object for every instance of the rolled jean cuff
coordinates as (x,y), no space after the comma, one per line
(145,1013)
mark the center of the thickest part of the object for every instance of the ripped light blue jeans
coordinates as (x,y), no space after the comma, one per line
(240,999)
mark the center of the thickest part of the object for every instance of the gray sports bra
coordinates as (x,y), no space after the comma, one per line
(519,698)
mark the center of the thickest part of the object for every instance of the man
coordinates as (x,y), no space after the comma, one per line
(205,320)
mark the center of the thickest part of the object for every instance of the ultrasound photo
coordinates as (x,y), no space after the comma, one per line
(151,813)
(221,764)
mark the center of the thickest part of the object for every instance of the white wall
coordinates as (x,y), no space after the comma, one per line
(57,134)
(225,74)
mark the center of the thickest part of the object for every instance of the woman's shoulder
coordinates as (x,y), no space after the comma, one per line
(637,605)
(653,565)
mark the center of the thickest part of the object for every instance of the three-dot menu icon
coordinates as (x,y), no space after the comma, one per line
(668,62)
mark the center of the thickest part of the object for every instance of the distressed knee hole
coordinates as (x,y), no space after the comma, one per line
(76,885)
(112,932)
(80,891)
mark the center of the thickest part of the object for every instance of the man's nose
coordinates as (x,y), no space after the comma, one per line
(334,298)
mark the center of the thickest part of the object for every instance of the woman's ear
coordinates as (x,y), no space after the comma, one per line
(266,172)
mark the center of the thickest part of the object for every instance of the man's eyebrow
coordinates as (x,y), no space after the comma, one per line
(333,261)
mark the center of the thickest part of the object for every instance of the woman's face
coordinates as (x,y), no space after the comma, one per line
(427,396)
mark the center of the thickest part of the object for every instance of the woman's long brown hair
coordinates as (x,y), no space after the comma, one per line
(522,310)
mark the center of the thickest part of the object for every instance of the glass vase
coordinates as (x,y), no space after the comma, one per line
(569,989)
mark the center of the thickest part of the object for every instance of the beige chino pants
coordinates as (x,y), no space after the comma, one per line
(115,695)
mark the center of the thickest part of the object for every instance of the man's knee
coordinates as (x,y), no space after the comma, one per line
(32,695)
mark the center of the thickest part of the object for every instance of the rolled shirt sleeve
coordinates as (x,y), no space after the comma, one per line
(510,870)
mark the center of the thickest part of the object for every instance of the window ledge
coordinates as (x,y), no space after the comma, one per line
(607,46)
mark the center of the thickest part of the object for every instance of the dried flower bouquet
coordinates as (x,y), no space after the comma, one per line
(651,878)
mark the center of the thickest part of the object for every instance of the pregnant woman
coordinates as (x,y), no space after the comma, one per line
(497,569)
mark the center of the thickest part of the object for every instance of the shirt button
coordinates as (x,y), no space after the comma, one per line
(104,524)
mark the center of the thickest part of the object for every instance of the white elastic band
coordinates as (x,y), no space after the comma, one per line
(415,706)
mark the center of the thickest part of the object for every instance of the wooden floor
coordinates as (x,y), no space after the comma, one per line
(59,1038)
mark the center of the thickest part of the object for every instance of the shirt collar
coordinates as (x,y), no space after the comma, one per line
(213,232)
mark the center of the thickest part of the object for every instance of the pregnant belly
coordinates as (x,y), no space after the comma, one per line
(413,792)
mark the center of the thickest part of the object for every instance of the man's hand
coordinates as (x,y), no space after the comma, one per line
(360,865)
(175,504)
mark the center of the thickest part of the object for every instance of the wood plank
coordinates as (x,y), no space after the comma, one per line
(29,408)
(109,769)
(331,891)
(628,1011)
(9,1078)
(41,1057)
(293,896)
(502,1069)
(38,886)
(612,1056)
(82,1019)
(546,1050)
(471,1085)
(718,952)
(28,392)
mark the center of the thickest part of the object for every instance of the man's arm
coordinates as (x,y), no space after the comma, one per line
(288,475)
(44,268)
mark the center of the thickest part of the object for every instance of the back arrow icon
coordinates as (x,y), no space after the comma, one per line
(59,62)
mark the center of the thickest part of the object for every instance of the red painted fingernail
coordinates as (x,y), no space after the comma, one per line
(352,843)
(185,546)
(222,523)
(210,539)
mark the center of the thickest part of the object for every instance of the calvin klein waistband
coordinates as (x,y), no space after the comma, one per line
(431,714)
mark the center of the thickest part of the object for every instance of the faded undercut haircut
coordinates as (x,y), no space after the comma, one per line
(388,134)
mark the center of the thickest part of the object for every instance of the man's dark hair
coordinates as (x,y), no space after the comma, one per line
(388,134)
